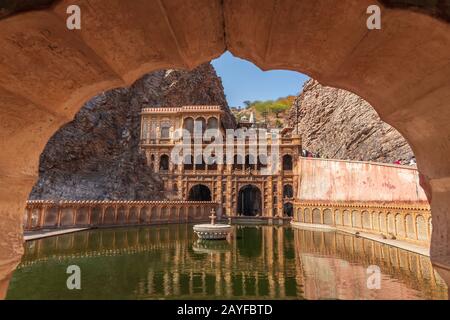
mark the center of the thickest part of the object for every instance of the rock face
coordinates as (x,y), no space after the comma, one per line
(338,124)
(96,156)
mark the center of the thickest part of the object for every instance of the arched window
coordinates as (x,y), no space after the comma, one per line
(189,125)
(288,191)
(200,125)
(288,209)
(164,163)
(199,192)
(165,132)
(287,162)
(213,123)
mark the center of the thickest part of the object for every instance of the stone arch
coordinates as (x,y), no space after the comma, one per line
(316,216)
(287,162)
(338,217)
(356,219)
(288,209)
(421,228)
(51,217)
(400,225)
(212,123)
(164,162)
(164,215)
(199,192)
(181,213)
(133,215)
(188,124)
(393,84)
(109,216)
(67,215)
(366,220)
(347,218)
(82,216)
(121,215)
(375,221)
(409,222)
(307,213)
(144,215)
(96,215)
(383,223)
(328,217)
(200,125)
(154,214)
(391,223)
(249,200)
(165,130)
(299,215)
(288,191)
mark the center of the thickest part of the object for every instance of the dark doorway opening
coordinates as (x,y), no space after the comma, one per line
(164,163)
(288,209)
(199,192)
(249,201)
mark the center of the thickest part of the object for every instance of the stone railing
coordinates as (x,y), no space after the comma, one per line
(63,214)
(409,222)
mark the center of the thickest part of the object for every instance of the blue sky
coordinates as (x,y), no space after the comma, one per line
(242,80)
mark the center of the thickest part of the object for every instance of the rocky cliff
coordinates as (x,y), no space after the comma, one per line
(96,156)
(338,124)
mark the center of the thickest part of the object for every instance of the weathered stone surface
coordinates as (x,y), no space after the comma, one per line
(96,156)
(337,124)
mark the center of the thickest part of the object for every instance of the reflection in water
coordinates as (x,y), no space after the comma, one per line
(257,262)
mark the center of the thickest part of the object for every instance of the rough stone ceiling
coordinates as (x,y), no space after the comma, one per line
(436,8)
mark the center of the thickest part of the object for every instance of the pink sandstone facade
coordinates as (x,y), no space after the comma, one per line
(335,181)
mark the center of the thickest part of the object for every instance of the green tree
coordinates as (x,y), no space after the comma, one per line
(278,108)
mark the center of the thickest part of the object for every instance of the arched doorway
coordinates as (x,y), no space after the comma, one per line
(249,201)
(199,192)
(288,191)
(287,162)
(288,209)
(164,163)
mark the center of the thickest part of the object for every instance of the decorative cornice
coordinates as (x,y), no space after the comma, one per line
(355,204)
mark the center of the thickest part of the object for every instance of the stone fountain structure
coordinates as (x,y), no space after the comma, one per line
(213,230)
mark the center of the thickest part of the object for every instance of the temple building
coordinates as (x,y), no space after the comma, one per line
(242,187)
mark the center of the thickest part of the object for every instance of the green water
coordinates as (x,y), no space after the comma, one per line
(264,262)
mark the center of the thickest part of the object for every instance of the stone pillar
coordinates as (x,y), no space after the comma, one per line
(42,214)
(103,208)
(90,215)
(228,195)
(29,218)
(270,196)
(280,196)
(58,217)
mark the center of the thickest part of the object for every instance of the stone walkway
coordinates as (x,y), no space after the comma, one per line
(395,243)
(33,235)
